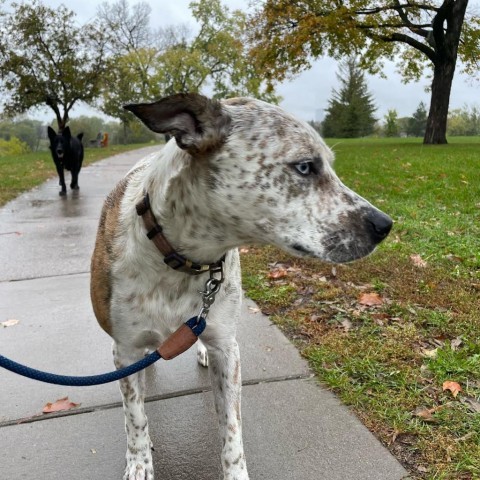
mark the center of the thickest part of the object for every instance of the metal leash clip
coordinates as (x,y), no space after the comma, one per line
(212,287)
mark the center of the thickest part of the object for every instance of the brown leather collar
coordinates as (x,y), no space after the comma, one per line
(172,258)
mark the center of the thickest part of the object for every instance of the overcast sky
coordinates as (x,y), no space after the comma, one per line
(307,95)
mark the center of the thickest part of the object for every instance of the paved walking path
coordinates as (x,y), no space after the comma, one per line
(293,429)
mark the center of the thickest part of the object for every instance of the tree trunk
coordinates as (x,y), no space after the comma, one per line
(436,131)
(446,31)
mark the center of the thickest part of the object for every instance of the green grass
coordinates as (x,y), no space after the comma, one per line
(432,192)
(389,362)
(19,173)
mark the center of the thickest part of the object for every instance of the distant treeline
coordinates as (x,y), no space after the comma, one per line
(462,122)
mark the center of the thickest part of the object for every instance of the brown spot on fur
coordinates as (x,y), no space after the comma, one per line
(238,101)
(236,374)
(103,255)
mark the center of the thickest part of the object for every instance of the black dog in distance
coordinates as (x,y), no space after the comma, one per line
(67,153)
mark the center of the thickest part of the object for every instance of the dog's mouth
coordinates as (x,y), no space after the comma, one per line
(300,249)
(337,253)
(59,154)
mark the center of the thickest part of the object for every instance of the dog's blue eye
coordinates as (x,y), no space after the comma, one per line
(304,168)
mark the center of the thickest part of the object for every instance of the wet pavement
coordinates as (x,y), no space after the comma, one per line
(293,428)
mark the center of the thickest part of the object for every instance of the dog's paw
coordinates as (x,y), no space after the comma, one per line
(139,469)
(202,355)
(62,193)
(74,187)
(242,475)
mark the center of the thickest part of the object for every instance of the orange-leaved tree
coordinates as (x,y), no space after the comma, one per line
(287,35)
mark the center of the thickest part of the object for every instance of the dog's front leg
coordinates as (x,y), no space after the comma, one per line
(74,183)
(139,456)
(224,367)
(61,179)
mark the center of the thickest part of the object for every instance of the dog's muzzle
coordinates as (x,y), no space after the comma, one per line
(360,233)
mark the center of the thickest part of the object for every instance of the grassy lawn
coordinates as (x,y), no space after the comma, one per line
(22,172)
(386,332)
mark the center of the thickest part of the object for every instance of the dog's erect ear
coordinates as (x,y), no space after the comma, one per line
(66,133)
(51,134)
(197,123)
(80,136)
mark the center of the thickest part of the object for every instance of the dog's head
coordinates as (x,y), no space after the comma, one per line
(61,143)
(270,174)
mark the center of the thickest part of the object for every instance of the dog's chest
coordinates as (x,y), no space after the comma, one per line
(147,308)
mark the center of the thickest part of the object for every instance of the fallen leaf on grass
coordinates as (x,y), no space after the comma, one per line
(429,352)
(465,437)
(9,323)
(346,325)
(370,299)
(454,258)
(423,469)
(426,414)
(472,403)
(455,343)
(277,273)
(454,387)
(418,261)
(59,405)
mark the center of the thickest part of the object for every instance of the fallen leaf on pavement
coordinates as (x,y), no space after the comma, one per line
(454,387)
(254,309)
(370,299)
(418,261)
(59,405)
(9,323)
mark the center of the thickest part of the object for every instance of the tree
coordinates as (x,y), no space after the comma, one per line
(173,60)
(47,60)
(391,125)
(134,46)
(287,35)
(464,121)
(417,123)
(350,110)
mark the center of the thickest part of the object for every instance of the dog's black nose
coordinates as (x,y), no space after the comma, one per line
(379,224)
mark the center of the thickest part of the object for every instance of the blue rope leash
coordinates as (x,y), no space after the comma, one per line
(196,324)
(72,381)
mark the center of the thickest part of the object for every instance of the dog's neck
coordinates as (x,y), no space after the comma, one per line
(179,197)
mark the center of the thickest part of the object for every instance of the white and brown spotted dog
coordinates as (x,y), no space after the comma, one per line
(237,172)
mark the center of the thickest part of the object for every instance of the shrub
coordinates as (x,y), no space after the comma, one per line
(14,146)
